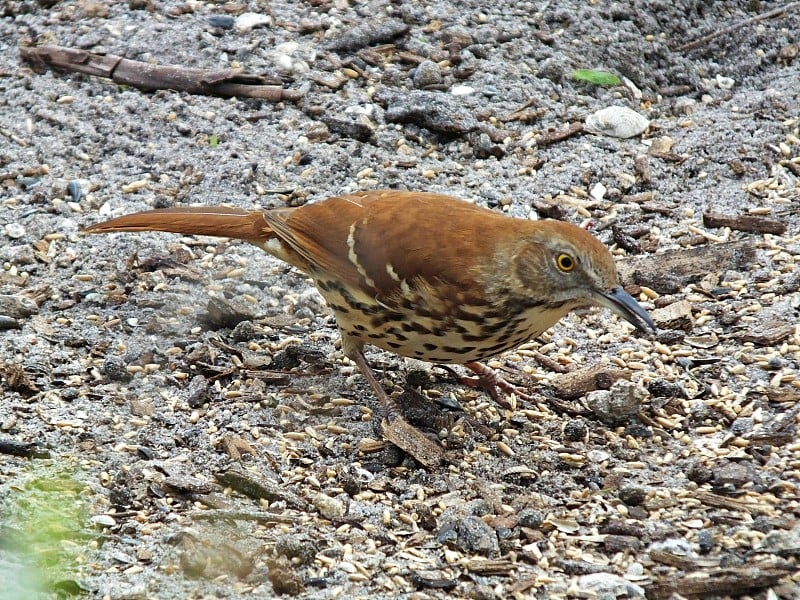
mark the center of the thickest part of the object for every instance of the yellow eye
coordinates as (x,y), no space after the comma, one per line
(565,262)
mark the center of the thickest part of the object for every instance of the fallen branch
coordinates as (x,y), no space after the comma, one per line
(144,76)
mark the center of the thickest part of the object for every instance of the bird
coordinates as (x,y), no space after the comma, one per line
(422,275)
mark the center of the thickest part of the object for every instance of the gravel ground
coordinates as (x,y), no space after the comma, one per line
(187,424)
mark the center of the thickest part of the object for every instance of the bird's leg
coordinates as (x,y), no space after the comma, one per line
(390,407)
(493,383)
(396,429)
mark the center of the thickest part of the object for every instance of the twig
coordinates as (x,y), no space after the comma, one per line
(552,136)
(726,30)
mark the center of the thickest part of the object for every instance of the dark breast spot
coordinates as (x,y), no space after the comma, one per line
(383,319)
(496,349)
(468,337)
(459,350)
(415,327)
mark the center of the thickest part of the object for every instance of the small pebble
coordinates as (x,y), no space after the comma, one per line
(699,474)
(574,430)
(660,388)
(103,520)
(733,474)
(475,536)
(427,73)
(725,83)
(221,21)
(462,90)
(9,323)
(705,541)
(531,518)
(294,547)
(632,495)
(197,392)
(75,190)
(608,587)
(243,332)
(16,306)
(115,369)
(247,21)
(674,545)
(619,404)
(330,508)
(782,543)
(14,230)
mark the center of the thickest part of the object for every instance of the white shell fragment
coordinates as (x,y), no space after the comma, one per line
(14,230)
(725,83)
(598,192)
(616,121)
(247,21)
(462,90)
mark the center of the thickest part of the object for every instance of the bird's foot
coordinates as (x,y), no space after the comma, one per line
(490,381)
(396,430)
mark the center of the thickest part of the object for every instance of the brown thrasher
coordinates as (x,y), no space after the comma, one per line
(422,275)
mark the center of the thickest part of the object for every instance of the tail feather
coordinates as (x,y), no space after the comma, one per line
(211,220)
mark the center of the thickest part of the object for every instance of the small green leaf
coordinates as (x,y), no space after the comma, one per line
(213,140)
(595,77)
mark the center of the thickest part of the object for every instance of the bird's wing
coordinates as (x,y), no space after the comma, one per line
(379,240)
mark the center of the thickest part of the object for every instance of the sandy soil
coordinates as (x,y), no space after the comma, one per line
(189,424)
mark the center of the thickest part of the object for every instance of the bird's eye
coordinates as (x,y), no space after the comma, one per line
(565,262)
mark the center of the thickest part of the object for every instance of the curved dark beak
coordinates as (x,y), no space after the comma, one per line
(622,303)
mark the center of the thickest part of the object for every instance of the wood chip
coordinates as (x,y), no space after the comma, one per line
(768,333)
(749,223)
(596,377)
(552,136)
(17,379)
(413,442)
(717,582)
(677,315)
(235,446)
(23,449)
(284,577)
(186,484)
(490,566)
(717,501)
(241,515)
(259,488)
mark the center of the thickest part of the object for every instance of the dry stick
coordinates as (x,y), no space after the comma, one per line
(707,38)
(227,82)
(750,223)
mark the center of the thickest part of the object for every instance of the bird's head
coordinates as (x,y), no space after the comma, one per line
(567,266)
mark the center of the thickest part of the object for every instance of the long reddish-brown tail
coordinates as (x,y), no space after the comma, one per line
(212,220)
